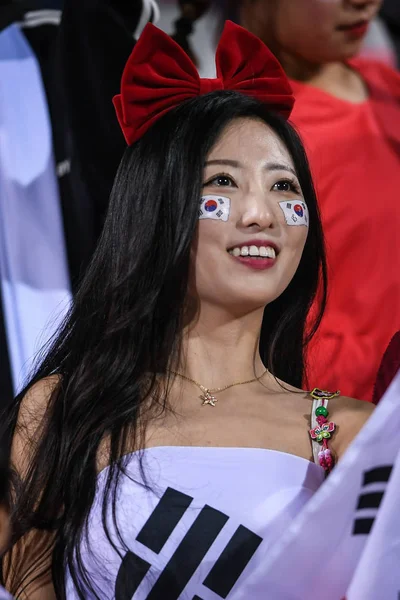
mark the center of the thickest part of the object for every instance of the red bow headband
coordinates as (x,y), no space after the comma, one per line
(159,76)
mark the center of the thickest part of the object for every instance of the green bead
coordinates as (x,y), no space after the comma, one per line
(321,411)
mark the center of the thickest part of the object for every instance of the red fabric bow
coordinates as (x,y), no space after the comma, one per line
(159,76)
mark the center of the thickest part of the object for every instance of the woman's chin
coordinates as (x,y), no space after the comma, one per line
(242,304)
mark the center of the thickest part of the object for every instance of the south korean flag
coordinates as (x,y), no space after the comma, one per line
(214,207)
(296,213)
(345,543)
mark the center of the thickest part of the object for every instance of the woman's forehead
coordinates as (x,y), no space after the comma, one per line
(247,139)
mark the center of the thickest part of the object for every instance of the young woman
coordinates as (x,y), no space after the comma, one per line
(164,442)
(348,115)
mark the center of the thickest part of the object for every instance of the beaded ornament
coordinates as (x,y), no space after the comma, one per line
(324,430)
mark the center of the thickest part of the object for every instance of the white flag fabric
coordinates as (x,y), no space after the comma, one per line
(214,207)
(4,595)
(378,572)
(345,543)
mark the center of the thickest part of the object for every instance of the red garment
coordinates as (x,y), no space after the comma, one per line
(390,366)
(354,151)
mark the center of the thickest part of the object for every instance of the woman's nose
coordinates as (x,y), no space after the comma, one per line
(257,213)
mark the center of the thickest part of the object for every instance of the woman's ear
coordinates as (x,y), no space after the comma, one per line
(191,11)
(4,528)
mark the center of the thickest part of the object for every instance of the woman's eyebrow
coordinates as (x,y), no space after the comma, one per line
(224,161)
(274,166)
(269,166)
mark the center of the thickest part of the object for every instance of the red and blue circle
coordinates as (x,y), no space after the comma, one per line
(211,205)
(298,209)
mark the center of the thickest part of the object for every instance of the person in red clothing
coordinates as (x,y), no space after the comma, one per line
(348,114)
(388,369)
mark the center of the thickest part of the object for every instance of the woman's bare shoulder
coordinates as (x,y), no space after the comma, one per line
(28,430)
(349,415)
(40,393)
(32,418)
(279,386)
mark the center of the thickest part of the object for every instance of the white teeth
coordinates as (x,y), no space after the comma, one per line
(262,251)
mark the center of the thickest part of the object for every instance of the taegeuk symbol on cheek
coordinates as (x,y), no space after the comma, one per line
(214,207)
(296,212)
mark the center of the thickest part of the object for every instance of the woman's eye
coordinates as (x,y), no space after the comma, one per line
(286,186)
(221,181)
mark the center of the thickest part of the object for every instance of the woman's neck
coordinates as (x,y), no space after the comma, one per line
(335,78)
(220,349)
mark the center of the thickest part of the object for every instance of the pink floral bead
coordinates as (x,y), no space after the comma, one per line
(322,432)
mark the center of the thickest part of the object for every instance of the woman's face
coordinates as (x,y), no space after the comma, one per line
(249,245)
(316,31)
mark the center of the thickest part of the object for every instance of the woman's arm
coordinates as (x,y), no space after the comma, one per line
(28,567)
(349,415)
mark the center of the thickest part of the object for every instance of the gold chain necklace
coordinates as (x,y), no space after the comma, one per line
(207,396)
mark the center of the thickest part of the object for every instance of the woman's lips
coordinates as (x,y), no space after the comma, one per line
(358,30)
(256,263)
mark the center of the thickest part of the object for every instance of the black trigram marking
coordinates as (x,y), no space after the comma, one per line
(153,535)
(189,554)
(232,561)
(371,500)
(363,526)
(378,475)
(130,575)
(163,520)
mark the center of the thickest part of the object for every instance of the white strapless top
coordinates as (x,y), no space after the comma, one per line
(198,527)
(4,595)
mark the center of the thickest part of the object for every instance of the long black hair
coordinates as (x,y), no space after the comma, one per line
(124,328)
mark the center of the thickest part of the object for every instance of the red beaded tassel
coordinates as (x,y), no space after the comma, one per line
(323,431)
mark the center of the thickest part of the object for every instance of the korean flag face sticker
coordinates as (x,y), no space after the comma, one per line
(296,212)
(214,207)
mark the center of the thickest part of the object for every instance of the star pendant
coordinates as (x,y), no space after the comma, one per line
(208,399)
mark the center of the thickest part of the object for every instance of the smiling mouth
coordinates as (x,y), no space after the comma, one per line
(357,29)
(253,251)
